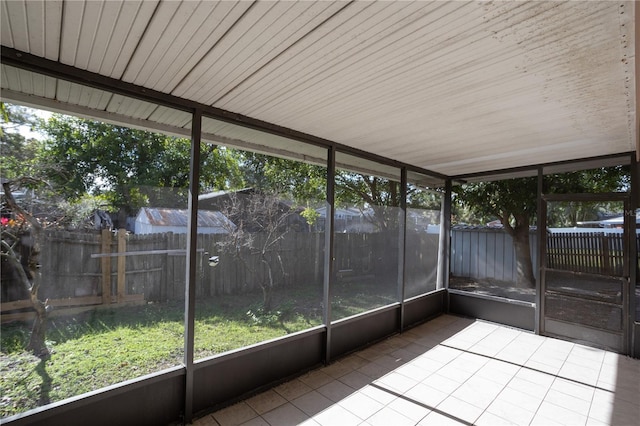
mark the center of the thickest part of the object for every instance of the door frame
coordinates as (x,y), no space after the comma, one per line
(628,288)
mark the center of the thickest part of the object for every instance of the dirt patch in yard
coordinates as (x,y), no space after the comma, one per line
(493,288)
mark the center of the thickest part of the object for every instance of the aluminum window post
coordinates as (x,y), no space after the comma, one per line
(542,239)
(329,261)
(191,266)
(444,250)
(402,246)
(634,204)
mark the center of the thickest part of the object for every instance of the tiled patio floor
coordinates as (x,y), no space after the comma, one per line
(453,371)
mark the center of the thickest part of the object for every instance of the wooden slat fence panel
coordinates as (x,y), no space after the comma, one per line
(69,271)
(145,274)
(587,252)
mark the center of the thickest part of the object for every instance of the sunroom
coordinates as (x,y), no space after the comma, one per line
(354,124)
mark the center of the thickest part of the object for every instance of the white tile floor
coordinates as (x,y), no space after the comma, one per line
(453,371)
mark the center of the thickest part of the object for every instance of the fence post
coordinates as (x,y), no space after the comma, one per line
(122,248)
(605,261)
(105,264)
(164,280)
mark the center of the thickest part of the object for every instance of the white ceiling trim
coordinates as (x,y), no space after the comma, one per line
(453,87)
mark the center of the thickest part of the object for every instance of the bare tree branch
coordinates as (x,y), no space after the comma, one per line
(26,264)
(261,222)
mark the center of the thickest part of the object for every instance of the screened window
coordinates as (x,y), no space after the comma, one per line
(367,236)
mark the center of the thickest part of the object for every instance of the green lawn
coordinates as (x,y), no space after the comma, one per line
(106,346)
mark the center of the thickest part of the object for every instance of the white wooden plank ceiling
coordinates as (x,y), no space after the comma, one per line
(452,86)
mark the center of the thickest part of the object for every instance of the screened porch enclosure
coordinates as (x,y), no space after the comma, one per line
(306,160)
(389,274)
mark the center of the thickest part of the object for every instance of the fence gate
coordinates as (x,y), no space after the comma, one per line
(585,270)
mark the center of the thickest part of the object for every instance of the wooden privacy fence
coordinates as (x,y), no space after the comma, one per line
(104,269)
(90,269)
(71,279)
(296,260)
(591,252)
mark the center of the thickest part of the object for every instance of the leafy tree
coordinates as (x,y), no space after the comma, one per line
(379,194)
(13,117)
(513,202)
(607,179)
(423,198)
(19,155)
(302,182)
(130,167)
(293,180)
(21,229)
(4,112)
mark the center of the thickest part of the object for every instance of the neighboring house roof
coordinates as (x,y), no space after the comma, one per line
(340,212)
(612,221)
(618,220)
(178,217)
(212,199)
(238,208)
(217,194)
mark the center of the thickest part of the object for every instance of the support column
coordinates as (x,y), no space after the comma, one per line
(190,273)
(634,204)
(329,261)
(444,249)
(542,241)
(402,246)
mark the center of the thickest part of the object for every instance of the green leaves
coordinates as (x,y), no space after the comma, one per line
(130,167)
(514,200)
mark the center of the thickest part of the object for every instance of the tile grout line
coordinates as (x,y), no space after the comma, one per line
(555,377)
(520,366)
(494,357)
(428,407)
(533,369)
(484,410)
(593,396)
(510,341)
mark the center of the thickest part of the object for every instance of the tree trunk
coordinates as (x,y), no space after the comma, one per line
(37,340)
(267,287)
(26,272)
(524,266)
(27,266)
(31,267)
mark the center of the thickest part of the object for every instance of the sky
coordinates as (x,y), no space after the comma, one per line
(26,131)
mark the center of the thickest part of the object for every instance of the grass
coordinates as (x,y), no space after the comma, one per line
(351,298)
(107,346)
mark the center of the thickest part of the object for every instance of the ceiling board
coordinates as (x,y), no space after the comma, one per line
(168,19)
(122,48)
(171,117)
(191,49)
(191,28)
(453,87)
